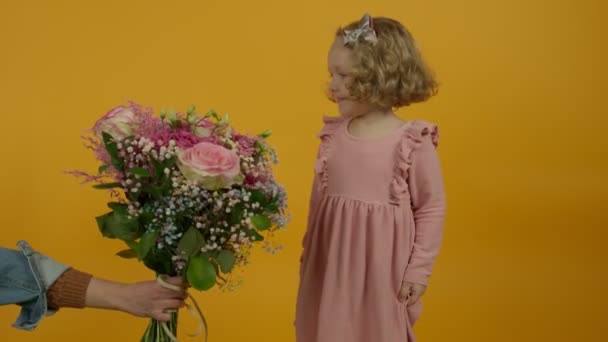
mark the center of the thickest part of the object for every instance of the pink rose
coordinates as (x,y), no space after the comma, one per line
(211,166)
(118,122)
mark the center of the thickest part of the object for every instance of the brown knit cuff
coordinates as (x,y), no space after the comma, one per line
(69,290)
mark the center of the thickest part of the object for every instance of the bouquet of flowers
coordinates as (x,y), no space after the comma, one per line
(190,195)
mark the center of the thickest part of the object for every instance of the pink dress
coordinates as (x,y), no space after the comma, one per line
(376,218)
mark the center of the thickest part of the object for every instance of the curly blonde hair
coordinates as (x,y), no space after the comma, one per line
(390,72)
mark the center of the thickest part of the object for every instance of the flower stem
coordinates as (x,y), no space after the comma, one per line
(156,333)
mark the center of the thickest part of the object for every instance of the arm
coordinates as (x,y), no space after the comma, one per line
(428,205)
(143,299)
(75,289)
(47,285)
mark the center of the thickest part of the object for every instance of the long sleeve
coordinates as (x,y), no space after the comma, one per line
(428,205)
(69,290)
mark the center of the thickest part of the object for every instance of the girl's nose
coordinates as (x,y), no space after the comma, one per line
(332,86)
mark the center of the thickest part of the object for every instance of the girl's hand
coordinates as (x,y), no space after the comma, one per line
(410,293)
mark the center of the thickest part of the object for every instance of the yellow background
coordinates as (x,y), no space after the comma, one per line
(522,145)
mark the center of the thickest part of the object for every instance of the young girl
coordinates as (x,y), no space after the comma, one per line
(378,203)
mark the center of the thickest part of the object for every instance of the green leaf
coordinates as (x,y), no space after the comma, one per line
(121,208)
(169,163)
(254,235)
(146,243)
(146,217)
(154,190)
(226,259)
(236,214)
(107,185)
(101,224)
(190,243)
(165,188)
(120,226)
(112,149)
(257,196)
(133,245)
(272,207)
(107,138)
(159,260)
(158,169)
(201,273)
(261,222)
(102,168)
(127,254)
(140,171)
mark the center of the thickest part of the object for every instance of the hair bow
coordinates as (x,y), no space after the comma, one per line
(365,30)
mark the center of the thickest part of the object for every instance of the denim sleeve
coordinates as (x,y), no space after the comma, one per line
(25,276)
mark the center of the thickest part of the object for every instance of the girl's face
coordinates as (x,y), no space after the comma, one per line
(340,65)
